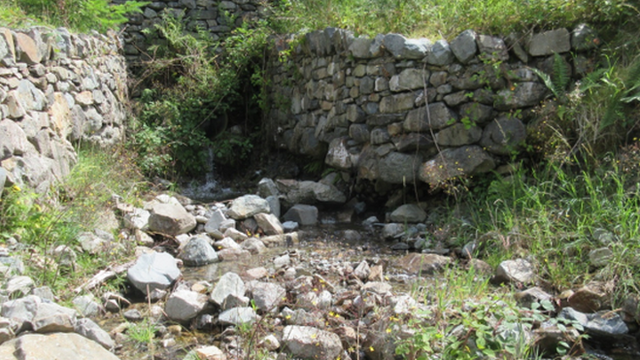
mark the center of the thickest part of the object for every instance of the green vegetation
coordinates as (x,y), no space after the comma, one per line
(143,333)
(557,215)
(466,318)
(197,89)
(575,189)
(447,18)
(78,15)
(46,226)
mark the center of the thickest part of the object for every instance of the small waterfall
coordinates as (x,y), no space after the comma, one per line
(206,189)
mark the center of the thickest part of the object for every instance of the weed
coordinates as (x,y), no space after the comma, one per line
(463,320)
(46,225)
(79,15)
(143,332)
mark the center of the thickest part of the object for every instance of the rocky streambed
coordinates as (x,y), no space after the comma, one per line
(229,280)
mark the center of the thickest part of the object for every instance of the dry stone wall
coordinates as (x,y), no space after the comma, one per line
(216,17)
(401,110)
(57,89)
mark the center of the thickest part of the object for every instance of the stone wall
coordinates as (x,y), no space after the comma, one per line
(57,89)
(400,110)
(216,17)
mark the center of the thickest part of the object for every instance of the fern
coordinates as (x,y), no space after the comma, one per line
(561,73)
(591,80)
(632,83)
(560,79)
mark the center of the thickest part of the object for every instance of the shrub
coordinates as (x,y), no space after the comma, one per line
(194,84)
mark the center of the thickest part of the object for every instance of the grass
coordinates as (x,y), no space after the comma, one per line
(447,18)
(556,215)
(77,15)
(43,222)
(143,332)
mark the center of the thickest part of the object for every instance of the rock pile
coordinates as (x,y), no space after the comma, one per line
(296,297)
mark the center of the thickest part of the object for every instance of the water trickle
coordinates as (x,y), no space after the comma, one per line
(206,188)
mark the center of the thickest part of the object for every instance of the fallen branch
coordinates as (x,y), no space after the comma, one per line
(103,275)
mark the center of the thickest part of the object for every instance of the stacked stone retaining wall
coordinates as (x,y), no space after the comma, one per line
(57,89)
(218,18)
(400,110)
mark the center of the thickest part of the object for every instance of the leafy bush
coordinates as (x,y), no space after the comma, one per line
(79,15)
(195,84)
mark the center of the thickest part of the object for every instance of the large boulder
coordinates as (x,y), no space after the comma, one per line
(302,214)
(453,162)
(338,155)
(267,296)
(583,38)
(91,330)
(464,46)
(398,168)
(266,188)
(601,324)
(31,313)
(408,213)
(518,271)
(458,135)
(28,49)
(360,48)
(171,219)
(52,317)
(307,342)
(269,223)
(525,94)
(309,192)
(403,48)
(440,54)
(184,305)
(492,47)
(439,117)
(13,140)
(58,346)
(198,252)
(550,42)
(214,222)
(247,206)
(153,271)
(409,79)
(238,316)
(503,135)
(230,284)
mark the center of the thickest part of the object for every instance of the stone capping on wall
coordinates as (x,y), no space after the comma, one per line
(396,110)
(57,89)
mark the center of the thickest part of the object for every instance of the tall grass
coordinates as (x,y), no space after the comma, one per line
(43,222)
(556,214)
(447,18)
